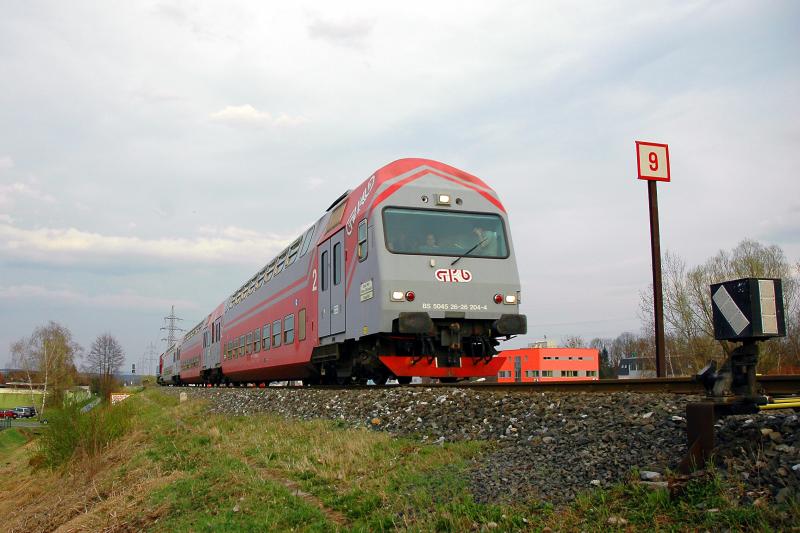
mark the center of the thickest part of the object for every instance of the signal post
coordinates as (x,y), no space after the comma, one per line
(653,165)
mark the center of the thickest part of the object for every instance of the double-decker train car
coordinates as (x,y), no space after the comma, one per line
(412,273)
(169,367)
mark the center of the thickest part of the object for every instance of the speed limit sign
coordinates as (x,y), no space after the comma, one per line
(653,161)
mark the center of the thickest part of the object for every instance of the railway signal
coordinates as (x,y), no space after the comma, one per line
(747,310)
(652,161)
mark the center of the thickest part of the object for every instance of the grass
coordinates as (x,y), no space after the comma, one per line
(70,431)
(12,400)
(11,439)
(174,467)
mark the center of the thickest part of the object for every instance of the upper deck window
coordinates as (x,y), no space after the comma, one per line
(432,232)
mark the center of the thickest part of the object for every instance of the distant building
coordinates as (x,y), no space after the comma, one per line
(529,365)
(636,367)
(543,343)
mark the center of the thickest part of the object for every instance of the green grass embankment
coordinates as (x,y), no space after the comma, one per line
(154,464)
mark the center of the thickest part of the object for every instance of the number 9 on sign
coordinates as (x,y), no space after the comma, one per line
(653,161)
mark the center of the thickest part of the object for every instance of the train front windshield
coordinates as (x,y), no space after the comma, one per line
(431,232)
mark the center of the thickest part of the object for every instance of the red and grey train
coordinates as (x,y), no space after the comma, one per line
(412,273)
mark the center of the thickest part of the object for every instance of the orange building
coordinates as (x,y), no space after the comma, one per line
(549,364)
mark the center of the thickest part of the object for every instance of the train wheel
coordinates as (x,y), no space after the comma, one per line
(404,380)
(380,380)
(448,380)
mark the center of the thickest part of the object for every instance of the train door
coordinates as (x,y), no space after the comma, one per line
(331,287)
(213,360)
(206,346)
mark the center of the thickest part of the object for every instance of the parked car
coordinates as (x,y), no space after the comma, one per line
(25,412)
(7,413)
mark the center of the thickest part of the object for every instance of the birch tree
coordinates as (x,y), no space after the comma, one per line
(47,359)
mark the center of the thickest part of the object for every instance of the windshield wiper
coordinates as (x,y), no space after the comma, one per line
(457,259)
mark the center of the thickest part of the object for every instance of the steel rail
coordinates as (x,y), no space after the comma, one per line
(770,385)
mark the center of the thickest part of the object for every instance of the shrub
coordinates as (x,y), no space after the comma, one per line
(103,386)
(70,432)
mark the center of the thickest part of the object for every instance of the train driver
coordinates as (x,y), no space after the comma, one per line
(430,246)
(488,244)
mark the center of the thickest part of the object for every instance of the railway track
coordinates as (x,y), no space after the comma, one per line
(770,385)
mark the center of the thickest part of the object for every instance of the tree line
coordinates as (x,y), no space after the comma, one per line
(47,360)
(688,325)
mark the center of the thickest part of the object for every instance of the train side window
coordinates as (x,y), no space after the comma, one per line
(248,344)
(324,276)
(294,249)
(256,340)
(337,263)
(288,329)
(276,333)
(362,240)
(241,346)
(281,261)
(336,216)
(307,241)
(301,324)
(265,337)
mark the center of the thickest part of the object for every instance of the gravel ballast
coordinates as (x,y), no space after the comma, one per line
(548,446)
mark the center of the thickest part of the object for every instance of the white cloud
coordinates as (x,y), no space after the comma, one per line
(312,184)
(121,300)
(61,246)
(6,162)
(348,33)
(247,115)
(28,190)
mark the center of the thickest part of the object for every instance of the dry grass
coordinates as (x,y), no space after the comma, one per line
(86,495)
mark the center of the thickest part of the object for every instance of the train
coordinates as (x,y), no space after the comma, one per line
(412,273)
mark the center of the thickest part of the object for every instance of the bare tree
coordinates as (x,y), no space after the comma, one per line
(687,305)
(105,356)
(573,341)
(47,356)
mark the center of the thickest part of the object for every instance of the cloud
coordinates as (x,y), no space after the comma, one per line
(70,246)
(247,115)
(6,163)
(121,300)
(29,190)
(347,33)
(312,184)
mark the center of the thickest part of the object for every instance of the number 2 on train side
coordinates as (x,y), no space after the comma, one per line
(314,282)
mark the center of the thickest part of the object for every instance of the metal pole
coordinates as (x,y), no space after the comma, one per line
(658,304)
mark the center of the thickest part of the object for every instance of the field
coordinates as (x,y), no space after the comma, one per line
(10,400)
(175,467)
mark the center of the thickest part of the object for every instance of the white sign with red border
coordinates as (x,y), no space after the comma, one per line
(652,160)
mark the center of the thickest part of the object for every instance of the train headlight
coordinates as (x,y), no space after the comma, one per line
(397,296)
(442,199)
(511,299)
(410,296)
(498,298)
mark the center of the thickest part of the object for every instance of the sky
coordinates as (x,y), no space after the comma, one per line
(159,153)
